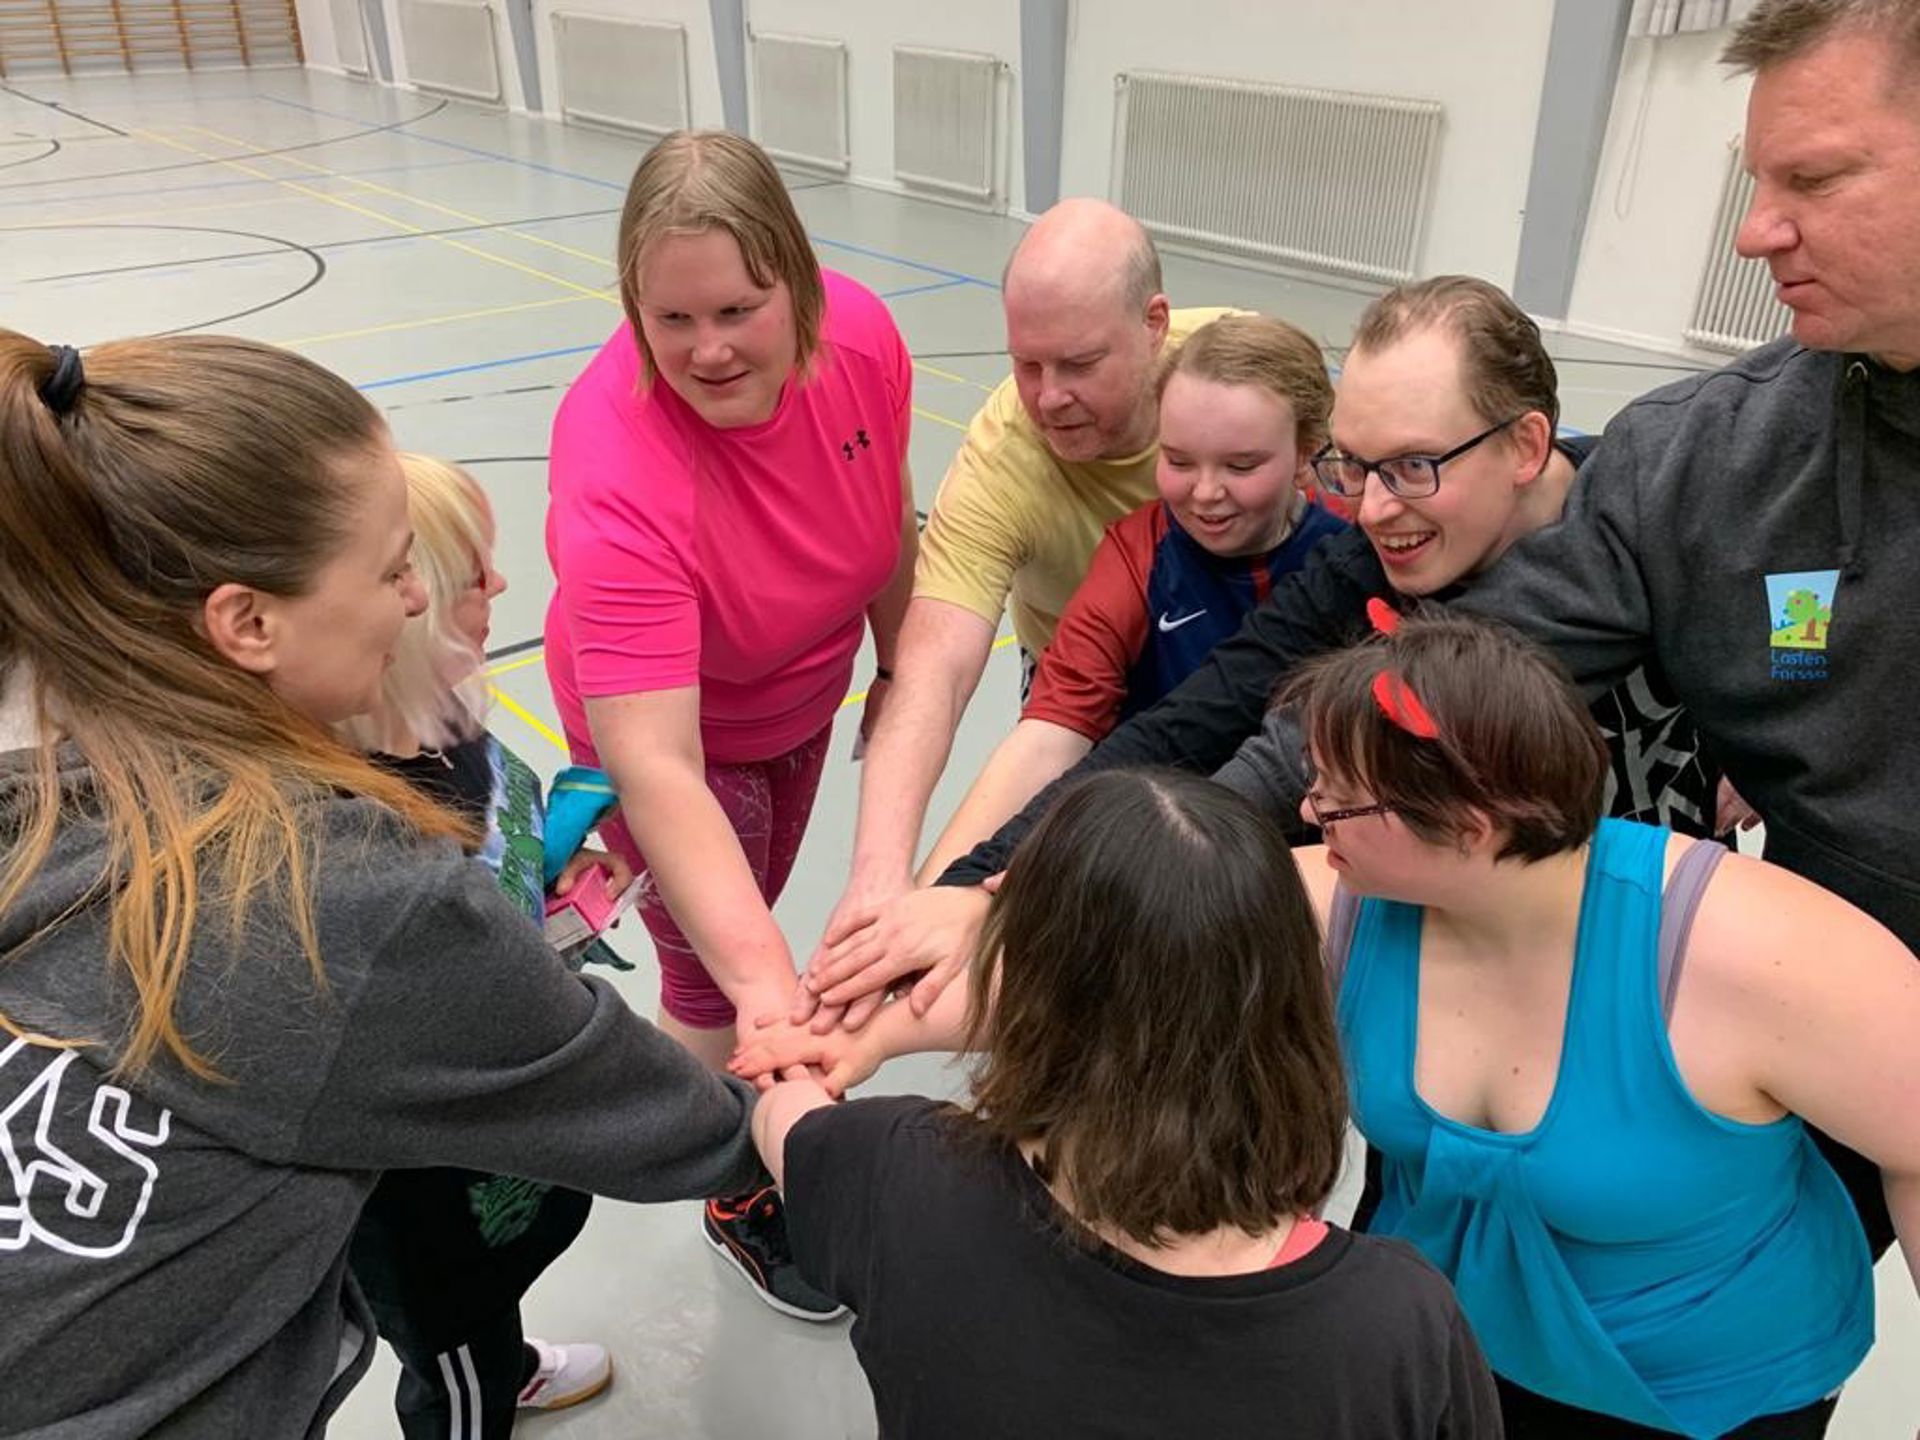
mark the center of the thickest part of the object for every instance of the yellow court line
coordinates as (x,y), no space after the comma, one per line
(937,417)
(519,662)
(403,225)
(597,260)
(159,214)
(949,375)
(426,321)
(526,717)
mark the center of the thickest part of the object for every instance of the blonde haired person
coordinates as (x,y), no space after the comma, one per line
(731,509)
(1243,410)
(445,1253)
(242,971)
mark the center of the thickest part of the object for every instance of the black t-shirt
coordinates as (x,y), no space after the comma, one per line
(978,1314)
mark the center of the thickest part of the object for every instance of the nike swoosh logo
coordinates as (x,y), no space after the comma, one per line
(1167,626)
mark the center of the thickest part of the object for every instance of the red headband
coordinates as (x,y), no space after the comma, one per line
(1391,693)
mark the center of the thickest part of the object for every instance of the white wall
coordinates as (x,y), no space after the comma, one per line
(870,29)
(1485,66)
(703,74)
(316,34)
(1675,110)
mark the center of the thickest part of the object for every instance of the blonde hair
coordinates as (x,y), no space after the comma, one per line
(699,180)
(434,693)
(181,464)
(1259,350)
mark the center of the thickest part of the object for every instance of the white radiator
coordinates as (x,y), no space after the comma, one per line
(800,100)
(349,36)
(1323,179)
(450,47)
(628,74)
(1736,309)
(946,120)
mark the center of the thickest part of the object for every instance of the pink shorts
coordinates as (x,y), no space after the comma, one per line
(768,803)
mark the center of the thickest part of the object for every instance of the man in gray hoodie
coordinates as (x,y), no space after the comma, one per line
(1747,530)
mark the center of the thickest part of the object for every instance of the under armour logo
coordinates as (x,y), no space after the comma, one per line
(846,446)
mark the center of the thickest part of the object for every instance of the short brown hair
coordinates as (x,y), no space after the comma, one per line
(1503,362)
(699,180)
(1776,31)
(1516,741)
(1151,1002)
(1259,350)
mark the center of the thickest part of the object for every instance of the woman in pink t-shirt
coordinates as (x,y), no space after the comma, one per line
(730,509)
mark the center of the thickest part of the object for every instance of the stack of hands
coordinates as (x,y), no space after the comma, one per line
(902,951)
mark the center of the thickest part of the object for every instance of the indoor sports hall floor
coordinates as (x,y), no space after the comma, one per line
(454,263)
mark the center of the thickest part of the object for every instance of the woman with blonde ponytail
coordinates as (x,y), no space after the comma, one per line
(242,970)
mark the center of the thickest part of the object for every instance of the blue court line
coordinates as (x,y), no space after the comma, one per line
(478,365)
(957,277)
(920,289)
(221,184)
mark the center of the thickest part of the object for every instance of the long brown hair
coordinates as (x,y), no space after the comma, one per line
(181,464)
(1151,1004)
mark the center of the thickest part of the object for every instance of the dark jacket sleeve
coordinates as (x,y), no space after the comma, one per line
(1201,723)
(1577,586)
(468,1043)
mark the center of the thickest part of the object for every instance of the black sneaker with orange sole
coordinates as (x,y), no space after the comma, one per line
(749,1232)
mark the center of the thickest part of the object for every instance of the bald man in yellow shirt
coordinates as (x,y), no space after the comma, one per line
(1062,448)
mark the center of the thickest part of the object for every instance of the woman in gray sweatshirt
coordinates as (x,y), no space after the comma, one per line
(242,971)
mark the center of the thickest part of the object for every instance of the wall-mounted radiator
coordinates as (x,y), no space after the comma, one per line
(627,74)
(1322,179)
(947,112)
(800,100)
(450,47)
(1736,309)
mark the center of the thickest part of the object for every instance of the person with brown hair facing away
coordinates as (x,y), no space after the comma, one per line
(731,510)
(242,970)
(1116,1234)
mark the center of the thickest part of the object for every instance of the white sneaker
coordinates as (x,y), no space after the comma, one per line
(566,1375)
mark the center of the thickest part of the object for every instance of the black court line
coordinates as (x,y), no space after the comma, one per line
(315,259)
(224,159)
(67,110)
(519,647)
(53,148)
(322,245)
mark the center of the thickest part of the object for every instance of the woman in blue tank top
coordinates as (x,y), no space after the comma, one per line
(1599,1144)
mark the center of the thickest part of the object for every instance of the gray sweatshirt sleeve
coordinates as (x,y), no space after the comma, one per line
(469,1043)
(1267,769)
(1577,586)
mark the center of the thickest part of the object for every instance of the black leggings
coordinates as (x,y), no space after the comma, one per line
(1528,1416)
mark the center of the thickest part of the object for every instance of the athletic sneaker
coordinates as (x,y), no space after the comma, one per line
(564,1375)
(750,1232)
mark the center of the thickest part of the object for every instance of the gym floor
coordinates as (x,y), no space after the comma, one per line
(455,263)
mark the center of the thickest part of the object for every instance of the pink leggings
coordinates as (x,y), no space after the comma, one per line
(768,803)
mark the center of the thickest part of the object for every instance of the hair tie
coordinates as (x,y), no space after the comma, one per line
(1402,707)
(1384,618)
(62,388)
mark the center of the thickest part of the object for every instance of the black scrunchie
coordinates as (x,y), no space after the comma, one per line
(64,385)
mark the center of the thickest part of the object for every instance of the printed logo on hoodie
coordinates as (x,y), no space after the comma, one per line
(1800,610)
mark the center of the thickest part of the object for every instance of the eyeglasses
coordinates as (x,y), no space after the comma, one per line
(1411,477)
(1327,819)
